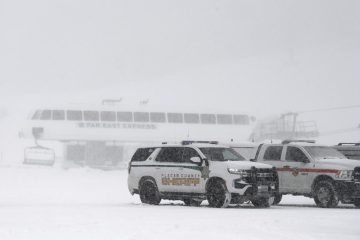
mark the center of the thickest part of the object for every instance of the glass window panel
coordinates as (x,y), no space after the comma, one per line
(108,116)
(45,115)
(191,117)
(58,115)
(157,117)
(74,115)
(141,117)
(175,117)
(208,118)
(124,116)
(224,119)
(241,119)
(91,116)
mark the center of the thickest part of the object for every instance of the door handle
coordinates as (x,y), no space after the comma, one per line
(286,166)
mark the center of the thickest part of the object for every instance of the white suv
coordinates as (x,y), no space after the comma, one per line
(193,172)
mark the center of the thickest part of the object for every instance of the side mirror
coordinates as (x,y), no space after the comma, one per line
(195,160)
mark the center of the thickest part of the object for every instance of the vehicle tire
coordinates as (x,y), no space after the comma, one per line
(261,202)
(277,199)
(357,202)
(149,193)
(217,195)
(192,202)
(325,195)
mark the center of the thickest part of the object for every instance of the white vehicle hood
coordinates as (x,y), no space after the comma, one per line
(246,165)
(343,164)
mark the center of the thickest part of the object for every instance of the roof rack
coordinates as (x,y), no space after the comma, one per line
(287,141)
(188,142)
(355,144)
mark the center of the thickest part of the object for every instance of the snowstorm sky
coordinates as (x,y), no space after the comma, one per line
(258,55)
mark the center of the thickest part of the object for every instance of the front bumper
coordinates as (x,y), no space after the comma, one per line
(348,190)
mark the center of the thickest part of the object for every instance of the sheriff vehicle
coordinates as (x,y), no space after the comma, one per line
(196,171)
(312,170)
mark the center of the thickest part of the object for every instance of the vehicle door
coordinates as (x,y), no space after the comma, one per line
(295,170)
(191,173)
(273,155)
(168,168)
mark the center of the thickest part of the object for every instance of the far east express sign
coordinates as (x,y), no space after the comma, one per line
(116,125)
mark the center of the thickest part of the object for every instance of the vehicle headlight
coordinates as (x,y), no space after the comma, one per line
(344,174)
(240,172)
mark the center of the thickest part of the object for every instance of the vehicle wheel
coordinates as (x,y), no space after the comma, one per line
(261,202)
(357,202)
(149,193)
(277,199)
(192,202)
(217,195)
(325,195)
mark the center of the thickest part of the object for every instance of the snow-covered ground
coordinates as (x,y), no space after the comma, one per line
(50,203)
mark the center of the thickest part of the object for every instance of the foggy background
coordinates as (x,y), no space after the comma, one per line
(260,57)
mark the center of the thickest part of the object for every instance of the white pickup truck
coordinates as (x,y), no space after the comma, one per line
(312,170)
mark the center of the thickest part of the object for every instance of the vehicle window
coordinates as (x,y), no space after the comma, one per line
(91,116)
(241,119)
(273,153)
(246,152)
(323,152)
(58,115)
(175,117)
(294,154)
(141,117)
(45,115)
(158,117)
(189,153)
(170,154)
(208,118)
(142,154)
(191,117)
(108,116)
(74,115)
(124,116)
(36,115)
(221,154)
(224,119)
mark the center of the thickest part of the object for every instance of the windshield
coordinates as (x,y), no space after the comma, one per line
(323,152)
(221,154)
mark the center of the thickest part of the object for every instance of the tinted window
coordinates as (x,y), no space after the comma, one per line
(157,117)
(91,116)
(241,119)
(221,154)
(273,153)
(124,116)
(189,153)
(191,118)
(224,119)
(294,154)
(175,117)
(141,116)
(74,115)
(58,115)
(36,115)
(108,116)
(170,154)
(208,118)
(45,115)
(142,154)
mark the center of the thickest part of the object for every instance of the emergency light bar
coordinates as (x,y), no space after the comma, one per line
(188,142)
(287,141)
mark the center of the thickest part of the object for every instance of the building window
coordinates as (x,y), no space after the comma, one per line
(108,116)
(191,117)
(58,115)
(74,115)
(208,118)
(124,116)
(224,119)
(91,116)
(175,117)
(141,117)
(157,117)
(241,119)
(45,115)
